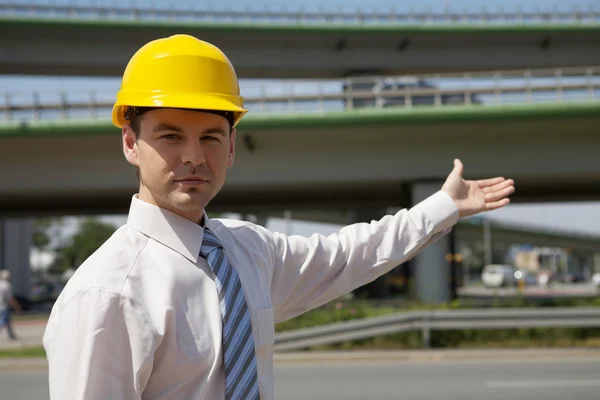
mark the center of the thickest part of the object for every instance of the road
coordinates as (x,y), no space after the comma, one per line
(456,380)
(524,379)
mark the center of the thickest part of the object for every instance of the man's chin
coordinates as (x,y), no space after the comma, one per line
(190,200)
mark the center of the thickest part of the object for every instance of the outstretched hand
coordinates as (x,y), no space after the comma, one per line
(474,197)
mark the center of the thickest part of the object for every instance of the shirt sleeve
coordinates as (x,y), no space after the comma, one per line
(309,272)
(98,347)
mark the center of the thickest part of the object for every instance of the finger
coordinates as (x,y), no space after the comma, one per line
(496,204)
(498,186)
(458,167)
(489,182)
(500,194)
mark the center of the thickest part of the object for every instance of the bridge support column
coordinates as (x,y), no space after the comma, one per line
(15,245)
(432,271)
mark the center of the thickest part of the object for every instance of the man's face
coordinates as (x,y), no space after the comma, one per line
(182,156)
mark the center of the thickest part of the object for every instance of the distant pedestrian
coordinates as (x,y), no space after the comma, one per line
(7,301)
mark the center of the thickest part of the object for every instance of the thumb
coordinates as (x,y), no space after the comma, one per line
(458,167)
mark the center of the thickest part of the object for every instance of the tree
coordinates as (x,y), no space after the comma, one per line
(91,234)
(45,230)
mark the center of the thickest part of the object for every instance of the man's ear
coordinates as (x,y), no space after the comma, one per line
(130,148)
(231,148)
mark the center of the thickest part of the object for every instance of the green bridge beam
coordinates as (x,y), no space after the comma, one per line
(334,119)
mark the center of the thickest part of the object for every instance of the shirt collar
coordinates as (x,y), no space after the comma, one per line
(172,230)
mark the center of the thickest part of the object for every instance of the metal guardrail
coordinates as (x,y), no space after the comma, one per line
(427,321)
(439,90)
(360,16)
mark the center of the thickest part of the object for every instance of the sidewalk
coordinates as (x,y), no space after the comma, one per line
(29,334)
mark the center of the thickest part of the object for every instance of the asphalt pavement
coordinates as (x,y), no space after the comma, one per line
(573,379)
(456,375)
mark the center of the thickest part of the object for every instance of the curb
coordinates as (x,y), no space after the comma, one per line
(437,355)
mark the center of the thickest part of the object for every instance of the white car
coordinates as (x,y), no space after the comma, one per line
(596,280)
(498,275)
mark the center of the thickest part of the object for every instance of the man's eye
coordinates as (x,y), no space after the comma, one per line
(170,136)
(210,138)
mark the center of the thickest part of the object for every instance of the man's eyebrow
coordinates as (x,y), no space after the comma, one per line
(214,130)
(167,127)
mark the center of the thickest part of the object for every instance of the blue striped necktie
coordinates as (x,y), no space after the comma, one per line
(241,380)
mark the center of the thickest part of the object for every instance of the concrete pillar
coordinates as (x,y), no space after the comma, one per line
(15,245)
(431,269)
(596,263)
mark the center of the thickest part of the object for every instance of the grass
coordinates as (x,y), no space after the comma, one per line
(23,352)
(497,339)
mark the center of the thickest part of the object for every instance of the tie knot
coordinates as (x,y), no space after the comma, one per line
(209,243)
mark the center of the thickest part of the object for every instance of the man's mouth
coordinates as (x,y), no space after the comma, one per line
(191,180)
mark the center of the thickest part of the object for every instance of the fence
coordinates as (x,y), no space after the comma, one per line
(427,321)
(439,90)
(170,11)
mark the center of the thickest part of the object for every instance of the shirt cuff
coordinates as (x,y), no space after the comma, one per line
(440,210)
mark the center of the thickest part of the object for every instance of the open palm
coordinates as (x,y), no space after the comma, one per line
(474,197)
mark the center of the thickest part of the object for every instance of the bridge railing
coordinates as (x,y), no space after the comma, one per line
(427,321)
(478,89)
(170,11)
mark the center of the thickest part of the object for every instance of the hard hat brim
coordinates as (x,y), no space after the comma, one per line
(192,101)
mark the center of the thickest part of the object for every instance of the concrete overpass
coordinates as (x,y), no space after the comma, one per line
(315,160)
(52,39)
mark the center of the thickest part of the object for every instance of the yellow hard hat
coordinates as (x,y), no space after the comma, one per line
(180,71)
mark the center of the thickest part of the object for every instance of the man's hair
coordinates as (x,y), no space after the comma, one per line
(134,116)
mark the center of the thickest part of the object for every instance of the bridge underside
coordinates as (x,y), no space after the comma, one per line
(551,159)
(65,48)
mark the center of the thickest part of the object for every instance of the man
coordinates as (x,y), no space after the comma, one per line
(178,306)
(7,301)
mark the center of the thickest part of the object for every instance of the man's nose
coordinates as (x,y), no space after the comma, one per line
(193,154)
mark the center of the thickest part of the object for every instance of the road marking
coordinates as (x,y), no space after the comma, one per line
(543,384)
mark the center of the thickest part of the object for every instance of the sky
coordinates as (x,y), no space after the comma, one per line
(575,217)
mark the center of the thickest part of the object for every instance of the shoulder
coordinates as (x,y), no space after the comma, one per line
(240,229)
(108,268)
(243,235)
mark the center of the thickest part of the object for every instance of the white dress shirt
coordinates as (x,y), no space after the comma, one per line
(140,319)
(5,294)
